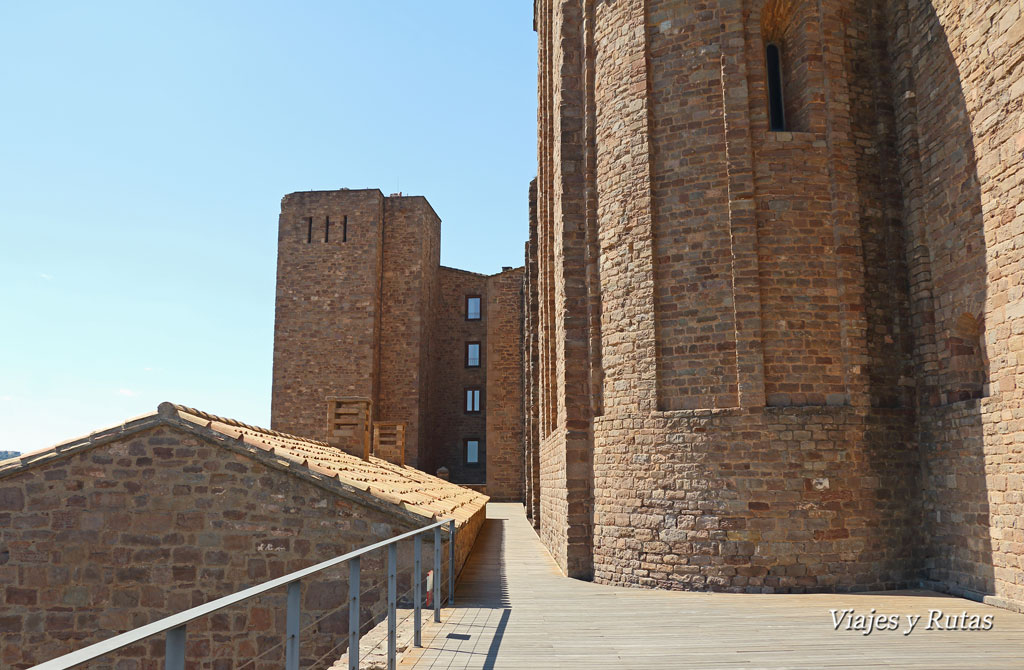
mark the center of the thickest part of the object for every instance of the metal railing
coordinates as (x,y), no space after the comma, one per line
(175,625)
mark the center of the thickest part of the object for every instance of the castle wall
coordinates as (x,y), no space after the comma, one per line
(126,533)
(327,310)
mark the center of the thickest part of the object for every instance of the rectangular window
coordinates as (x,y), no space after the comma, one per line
(309,229)
(472,451)
(472,354)
(473,401)
(344,228)
(472,308)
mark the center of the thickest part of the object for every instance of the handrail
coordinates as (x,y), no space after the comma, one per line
(178,621)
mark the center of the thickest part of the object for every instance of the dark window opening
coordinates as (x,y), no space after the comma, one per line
(473,401)
(472,308)
(472,354)
(344,229)
(776,105)
(472,451)
(327,229)
(309,229)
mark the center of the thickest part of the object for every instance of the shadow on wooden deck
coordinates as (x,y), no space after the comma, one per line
(514,609)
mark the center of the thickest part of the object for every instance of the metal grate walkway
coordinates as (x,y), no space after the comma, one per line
(514,609)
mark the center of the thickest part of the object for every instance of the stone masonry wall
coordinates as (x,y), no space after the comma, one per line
(128,532)
(959,98)
(408,277)
(761,305)
(450,377)
(760,500)
(504,387)
(565,442)
(326,320)
(847,289)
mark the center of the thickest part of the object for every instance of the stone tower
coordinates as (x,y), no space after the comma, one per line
(370,326)
(345,324)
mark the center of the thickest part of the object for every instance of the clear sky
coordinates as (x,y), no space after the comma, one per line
(144,150)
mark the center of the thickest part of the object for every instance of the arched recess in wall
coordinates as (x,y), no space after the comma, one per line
(967,358)
(794,84)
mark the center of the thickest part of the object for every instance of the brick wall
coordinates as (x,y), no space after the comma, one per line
(128,532)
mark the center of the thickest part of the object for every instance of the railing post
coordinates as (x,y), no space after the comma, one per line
(291,658)
(451,562)
(437,574)
(353,614)
(392,604)
(174,650)
(417,598)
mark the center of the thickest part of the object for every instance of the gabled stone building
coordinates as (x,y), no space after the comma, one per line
(775,320)
(173,509)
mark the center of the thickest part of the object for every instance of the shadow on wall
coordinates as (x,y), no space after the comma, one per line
(944,242)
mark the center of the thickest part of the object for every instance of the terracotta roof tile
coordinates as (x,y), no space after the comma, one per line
(407,489)
(403,486)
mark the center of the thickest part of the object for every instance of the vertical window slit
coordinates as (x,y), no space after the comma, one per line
(776,105)
(344,229)
(309,229)
(327,229)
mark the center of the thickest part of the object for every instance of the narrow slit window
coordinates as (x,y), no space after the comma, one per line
(472,308)
(344,229)
(327,229)
(776,104)
(309,229)
(473,401)
(472,354)
(472,446)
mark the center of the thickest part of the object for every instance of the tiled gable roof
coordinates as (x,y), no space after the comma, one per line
(401,487)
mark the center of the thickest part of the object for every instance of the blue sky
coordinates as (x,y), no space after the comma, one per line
(144,150)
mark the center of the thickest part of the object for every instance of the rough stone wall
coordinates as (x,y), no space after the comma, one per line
(958,93)
(786,303)
(531,369)
(689,190)
(450,377)
(408,275)
(326,320)
(761,500)
(809,246)
(128,532)
(504,387)
(431,328)
(565,439)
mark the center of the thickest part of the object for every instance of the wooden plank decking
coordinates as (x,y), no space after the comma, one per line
(514,609)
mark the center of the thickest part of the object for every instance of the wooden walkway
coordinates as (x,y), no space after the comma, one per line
(514,609)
